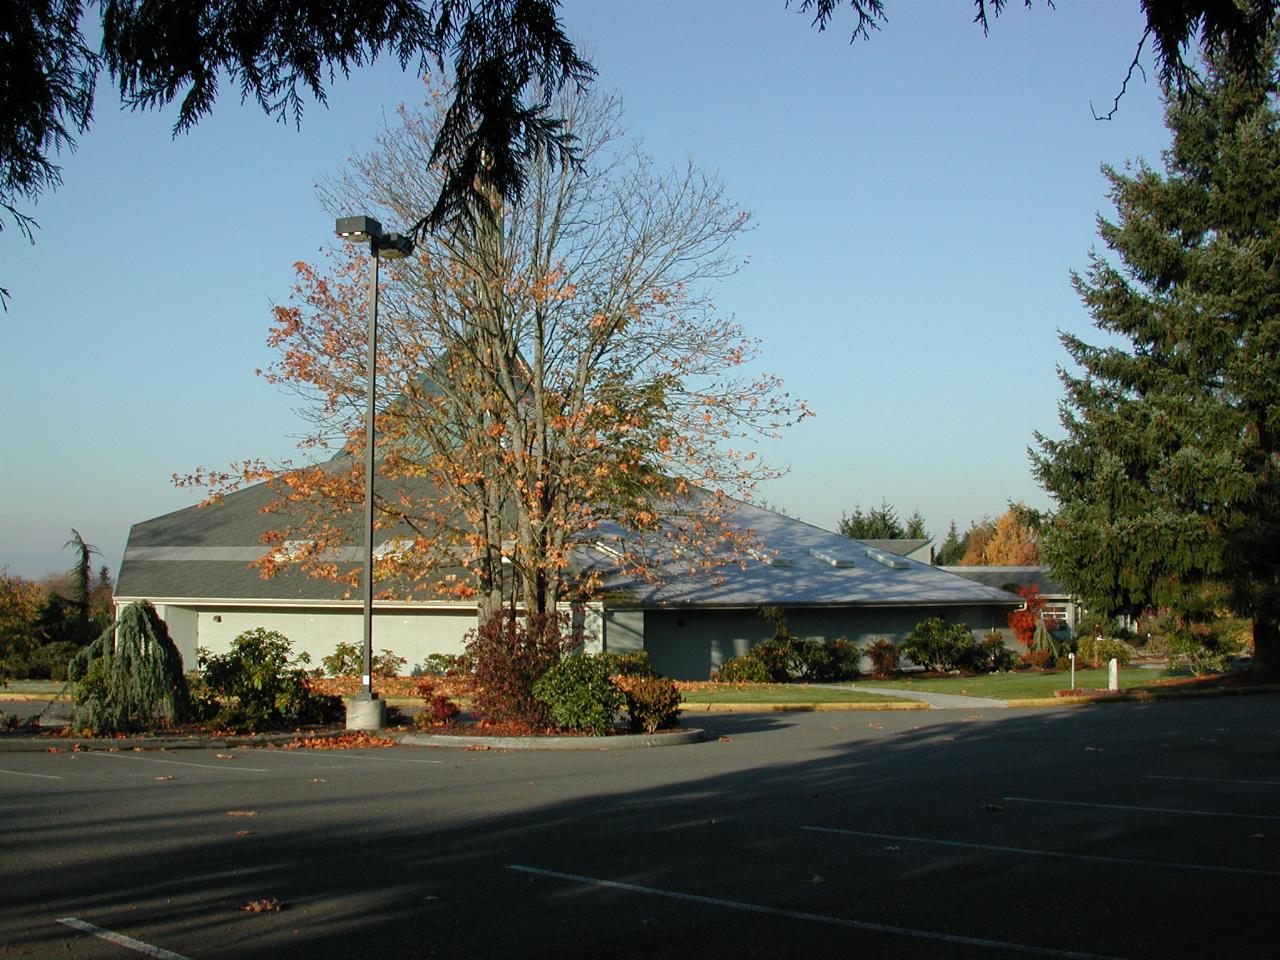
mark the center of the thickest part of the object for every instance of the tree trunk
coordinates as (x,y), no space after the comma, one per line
(1266,645)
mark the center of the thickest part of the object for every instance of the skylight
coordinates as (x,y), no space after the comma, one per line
(839,560)
(888,559)
(772,559)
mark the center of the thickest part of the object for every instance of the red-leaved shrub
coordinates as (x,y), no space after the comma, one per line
(510,654)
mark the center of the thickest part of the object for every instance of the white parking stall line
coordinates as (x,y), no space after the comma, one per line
(1137,809)
(814,917)
(1025,851)
(19,773)
(120,940)
(1260,783)
(173,763)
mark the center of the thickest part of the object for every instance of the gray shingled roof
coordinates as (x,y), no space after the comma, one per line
(902,547)
(1002,577)
(205,553)
(808,580)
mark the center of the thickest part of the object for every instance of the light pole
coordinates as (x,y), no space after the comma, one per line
(365,711)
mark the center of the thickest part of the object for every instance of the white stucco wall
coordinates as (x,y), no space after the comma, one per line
(412,633)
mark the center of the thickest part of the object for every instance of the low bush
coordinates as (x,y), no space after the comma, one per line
(45,662)
(940,645)
(261,684)
(631,663)
(1098,651)
(510,653)
(445,665)
(347,660)
(437,709)
(994,656)
(1038,659)
(845,658)
(885,657)
(653,703)
(789,659)
(743,669)
(937,644)
(580,694)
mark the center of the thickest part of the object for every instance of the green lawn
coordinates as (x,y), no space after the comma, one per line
(782,693)
(1021,686)
(35,688)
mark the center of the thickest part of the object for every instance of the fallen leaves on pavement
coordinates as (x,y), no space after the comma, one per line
(346,741)
(269,905)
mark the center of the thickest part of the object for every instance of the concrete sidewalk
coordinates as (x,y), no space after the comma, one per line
(936,701)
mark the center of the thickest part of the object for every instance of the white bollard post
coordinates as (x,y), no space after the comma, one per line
(1113,675)
(1072,657)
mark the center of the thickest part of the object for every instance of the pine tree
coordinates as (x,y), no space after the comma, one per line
(915,529)
(878,523)
(1167,481)
(952,549)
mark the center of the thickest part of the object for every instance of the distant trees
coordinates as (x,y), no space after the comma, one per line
(881,523)
(1008,541)
(43,622)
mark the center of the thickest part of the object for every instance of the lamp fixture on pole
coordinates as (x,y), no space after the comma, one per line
(366,711)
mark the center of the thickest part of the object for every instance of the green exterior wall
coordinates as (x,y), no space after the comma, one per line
(689,644)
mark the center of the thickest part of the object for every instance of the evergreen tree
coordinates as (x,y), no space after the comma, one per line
(878,523)
(131,677)
(81,586)
(1167,481)
(915,527)
(952,549)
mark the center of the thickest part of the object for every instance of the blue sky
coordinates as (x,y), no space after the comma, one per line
(918,203)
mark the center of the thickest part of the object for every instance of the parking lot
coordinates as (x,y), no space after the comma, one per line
(1135,831)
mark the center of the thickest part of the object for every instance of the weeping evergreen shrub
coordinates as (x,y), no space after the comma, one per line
(130,678)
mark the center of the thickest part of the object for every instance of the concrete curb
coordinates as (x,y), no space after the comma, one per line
(1143,696)
(624,741)
(797,707)
(27,744)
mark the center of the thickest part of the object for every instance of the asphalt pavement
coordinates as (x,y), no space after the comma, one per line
(1143,830)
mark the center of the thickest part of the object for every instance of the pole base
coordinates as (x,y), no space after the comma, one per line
(366,713)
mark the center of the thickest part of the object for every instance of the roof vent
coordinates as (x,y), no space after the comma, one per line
(888,559)
(828,557)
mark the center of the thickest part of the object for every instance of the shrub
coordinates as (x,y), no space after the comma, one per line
(939,645)
(1100,650)
(885,657)
(347,660)
(261,684)
(437,709)
(845,658)
(994,656)
(1038,659)
(631,663)
(580,694)
(45,662)
(653,703)
(780,657)
(130,678)
(510,654)
(744,669)
(445,665)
